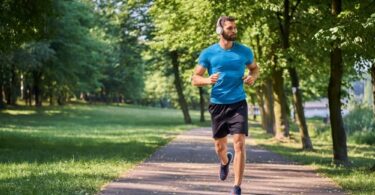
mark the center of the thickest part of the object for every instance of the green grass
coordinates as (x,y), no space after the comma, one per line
(77,149)
(357,179)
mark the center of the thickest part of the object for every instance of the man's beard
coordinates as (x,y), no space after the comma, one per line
(229,37)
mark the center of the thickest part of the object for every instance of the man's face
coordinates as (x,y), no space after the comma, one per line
(230,31)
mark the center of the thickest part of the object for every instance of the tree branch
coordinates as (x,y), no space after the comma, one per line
(294,8)
(278,15)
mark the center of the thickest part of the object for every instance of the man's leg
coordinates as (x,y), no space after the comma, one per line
(239,157)
(221,149)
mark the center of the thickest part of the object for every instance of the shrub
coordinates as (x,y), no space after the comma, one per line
(363,137)
(360,125)
(359,119)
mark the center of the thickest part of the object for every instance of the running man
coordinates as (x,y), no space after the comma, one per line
(226,62)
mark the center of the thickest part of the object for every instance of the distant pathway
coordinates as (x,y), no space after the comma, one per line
(188,165)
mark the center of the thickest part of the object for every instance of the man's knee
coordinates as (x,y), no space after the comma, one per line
(239,144)
(220,146)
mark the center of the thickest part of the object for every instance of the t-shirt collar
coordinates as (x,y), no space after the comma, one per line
(230,49)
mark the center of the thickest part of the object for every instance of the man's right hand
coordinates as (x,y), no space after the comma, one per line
(213,78)
(199,80)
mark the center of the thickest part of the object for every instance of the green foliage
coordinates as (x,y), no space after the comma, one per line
(360,124)
(183,26)
(33,55)
(362,116)
(82,47)
(122,27)
(20,23)
(109,48)
(364,137)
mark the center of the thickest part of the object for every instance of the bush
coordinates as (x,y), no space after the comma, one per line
(359,119)
(360,125)
(364,137)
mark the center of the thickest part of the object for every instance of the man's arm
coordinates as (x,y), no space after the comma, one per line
(253,74)
(198,79)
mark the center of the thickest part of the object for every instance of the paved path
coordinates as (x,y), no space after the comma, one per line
(188,165)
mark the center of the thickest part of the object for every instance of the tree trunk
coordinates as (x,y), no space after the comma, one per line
(7,92)
(27,95)
(265,102)
(280,105)
(265,96)
(300,115)
(373,85)
(269,107)
(260,98)
(340,154)
(51,100)
(10,93)
(8,86)
(252,106)
(61,99)
(37,89)
(179,88)
(202,104)
(14,86)
(2,104)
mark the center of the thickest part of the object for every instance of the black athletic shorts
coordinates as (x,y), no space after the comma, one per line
(229,119)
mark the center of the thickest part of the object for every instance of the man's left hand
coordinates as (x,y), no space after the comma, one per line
(249,80)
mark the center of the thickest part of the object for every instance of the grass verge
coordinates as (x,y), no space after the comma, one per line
(357,179)
(76,149)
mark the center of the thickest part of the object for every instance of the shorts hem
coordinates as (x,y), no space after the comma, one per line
(246,134)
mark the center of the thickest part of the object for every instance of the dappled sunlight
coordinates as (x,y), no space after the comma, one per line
(11,128)
(189,166)
(94,81)
(19,112)
(354,178)
(80,147)
(91,174)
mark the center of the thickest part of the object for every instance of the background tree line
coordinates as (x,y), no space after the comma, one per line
(144,52)
(55,50)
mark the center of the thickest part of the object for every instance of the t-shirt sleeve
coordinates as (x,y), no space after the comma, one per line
(249,56)
(203,59)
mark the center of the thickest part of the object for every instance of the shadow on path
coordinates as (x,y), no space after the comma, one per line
(188,165)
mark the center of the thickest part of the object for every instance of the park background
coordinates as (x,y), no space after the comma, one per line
(90,88)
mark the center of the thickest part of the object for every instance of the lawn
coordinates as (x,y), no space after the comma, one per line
(357,179)
(77,149)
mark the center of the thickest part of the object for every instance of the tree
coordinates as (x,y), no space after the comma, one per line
(373,84)
(284,24)
(21,21)
(340,154)
(75,65)
(265,13)
(175,22)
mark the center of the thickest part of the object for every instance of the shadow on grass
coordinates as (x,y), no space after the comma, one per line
(294,154)
(52,182)
(33,140)
(55,133)
(19,148)
(321,155)
(96,117)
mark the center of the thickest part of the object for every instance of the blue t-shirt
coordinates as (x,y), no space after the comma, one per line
(231,65)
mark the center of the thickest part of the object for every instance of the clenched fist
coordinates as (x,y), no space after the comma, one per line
(213,78)
(250,80)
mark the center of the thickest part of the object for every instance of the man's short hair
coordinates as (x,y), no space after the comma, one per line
(223,19)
